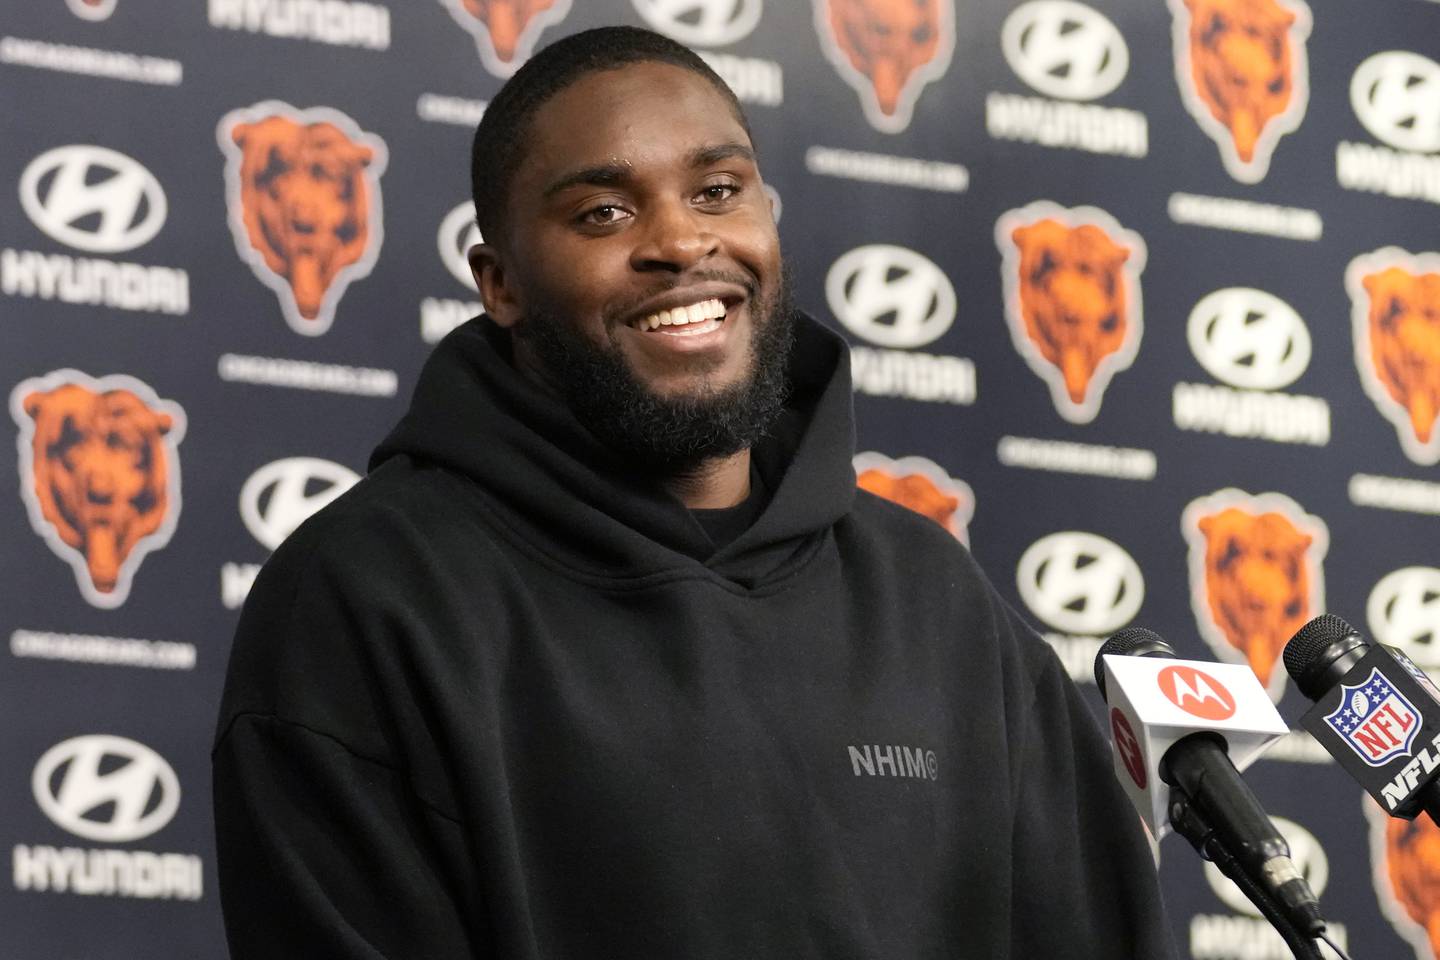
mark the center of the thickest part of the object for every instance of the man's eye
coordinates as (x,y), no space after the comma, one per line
(718,192)
(603,216)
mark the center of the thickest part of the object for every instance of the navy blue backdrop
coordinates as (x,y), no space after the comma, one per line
(1144,302)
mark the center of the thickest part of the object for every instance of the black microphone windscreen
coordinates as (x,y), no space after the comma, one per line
(1310,641)
(1123,642)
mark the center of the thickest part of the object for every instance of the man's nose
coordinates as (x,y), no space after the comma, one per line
(676,238)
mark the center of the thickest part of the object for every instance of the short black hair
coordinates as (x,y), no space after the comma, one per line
(502,138)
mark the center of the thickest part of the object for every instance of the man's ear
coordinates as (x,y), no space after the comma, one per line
(496,291)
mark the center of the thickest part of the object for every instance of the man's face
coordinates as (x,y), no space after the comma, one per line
(639,202)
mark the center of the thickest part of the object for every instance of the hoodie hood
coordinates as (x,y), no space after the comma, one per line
(553,485)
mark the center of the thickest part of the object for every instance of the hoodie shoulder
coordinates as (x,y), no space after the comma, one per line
(339,594)
(902,529)
(400,497)
(920,551)
(403,522)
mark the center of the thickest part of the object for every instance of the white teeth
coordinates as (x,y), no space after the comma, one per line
(694,313)
(695,329)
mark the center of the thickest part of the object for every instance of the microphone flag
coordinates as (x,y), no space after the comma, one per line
(1381,722)
(1156,701)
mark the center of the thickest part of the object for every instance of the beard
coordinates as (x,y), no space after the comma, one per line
(668,435)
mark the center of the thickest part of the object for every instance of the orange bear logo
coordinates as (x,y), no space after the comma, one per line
(101,473)
(1072,296)
(1412,863)
(1255,576)
(1396,320)
(920,485)
(888,50)
(505,31)
(1242,71)
(1406,854)
(304,198)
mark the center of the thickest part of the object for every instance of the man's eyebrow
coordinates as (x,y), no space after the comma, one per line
(615,174)
(603,175)
(704,156)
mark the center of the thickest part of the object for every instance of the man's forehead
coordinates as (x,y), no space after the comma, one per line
(620,173)
(637,116)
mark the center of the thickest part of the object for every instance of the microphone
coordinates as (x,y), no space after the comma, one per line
(1375,711)
(1187,713)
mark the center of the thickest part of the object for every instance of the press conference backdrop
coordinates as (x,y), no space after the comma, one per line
(1143,299)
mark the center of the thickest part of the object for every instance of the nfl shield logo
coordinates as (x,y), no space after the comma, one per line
(1375,720)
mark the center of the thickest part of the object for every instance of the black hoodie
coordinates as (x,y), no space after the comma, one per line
(505,699)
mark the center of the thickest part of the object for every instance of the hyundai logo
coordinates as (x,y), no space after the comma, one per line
(1404,611)
(703,23)
(1249,338)
(1064,49)
(891,296)
(284,494)
(458,233)
(1080,583)
(92,198)
(106,788)
(1396,95)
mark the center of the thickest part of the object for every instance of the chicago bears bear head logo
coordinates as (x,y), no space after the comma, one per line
(922,486)
(1395,312)
(100,473)
(1242,72)
(506,31)
(888,50)
(1405,855)
(1255,575)
(303,188)
(1072,299)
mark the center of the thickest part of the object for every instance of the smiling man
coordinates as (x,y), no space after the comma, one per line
(635,259)
(607,657)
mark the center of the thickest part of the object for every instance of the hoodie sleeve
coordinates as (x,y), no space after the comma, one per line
(1083,870)
(324,847)
(325,854)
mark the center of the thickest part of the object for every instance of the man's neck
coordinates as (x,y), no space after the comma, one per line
(715,484)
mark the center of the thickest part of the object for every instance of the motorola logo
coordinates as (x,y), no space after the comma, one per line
(1196,692)
(1064,49)
(703,23)
(284,494)
(106,788)
(1396,95)
(458,233)
(1305,851)
(92,198)
(1080,583)
(1127,748)
(1404,611)
(1248,338)
(891,296)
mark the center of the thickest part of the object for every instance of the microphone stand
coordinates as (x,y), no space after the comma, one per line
(1190,822)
